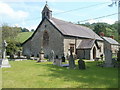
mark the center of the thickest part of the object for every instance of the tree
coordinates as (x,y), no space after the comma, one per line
(25,30)
(99,27)
(106,29)
(10,33)
(32,30)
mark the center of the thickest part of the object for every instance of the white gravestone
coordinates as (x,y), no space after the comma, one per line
(4,61)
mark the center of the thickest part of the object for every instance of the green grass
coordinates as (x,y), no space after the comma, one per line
(23,36)
(29,74)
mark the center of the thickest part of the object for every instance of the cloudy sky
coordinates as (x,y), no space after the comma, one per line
(27,13)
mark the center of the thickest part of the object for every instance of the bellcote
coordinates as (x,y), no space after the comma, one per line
(46,12)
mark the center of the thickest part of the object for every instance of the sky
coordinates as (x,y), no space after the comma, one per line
(27,13)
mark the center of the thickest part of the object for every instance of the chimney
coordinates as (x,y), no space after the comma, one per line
(112,37)
(102,34)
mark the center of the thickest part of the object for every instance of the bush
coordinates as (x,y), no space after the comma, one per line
(12,47)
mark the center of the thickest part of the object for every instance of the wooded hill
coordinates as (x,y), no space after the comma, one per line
(106,29)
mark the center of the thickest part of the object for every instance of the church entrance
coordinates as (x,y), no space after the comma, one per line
(94,53)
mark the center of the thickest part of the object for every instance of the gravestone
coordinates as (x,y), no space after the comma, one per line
(4,61)
(41,55)
(51,56)
(63,58)
(58,61)
(81,64)
(71,60)
(108,56)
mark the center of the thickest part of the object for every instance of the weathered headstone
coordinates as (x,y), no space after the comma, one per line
(108,56)
(4,61)
(41,55)
(71,60)
(58,61)
(63,58)
(52,57)
(81,64)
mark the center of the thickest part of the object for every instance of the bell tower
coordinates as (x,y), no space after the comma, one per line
(46,12)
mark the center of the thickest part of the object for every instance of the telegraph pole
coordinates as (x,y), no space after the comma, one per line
(117,2)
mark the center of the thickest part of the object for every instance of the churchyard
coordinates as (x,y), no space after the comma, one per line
(29,74)
(25,73)
(37,61)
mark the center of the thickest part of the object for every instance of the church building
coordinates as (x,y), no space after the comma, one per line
(57,36)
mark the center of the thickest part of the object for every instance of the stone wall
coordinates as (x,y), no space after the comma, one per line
(55,40)
(67,42)
(83,54)
(27,48)
(88,53)
(58,43)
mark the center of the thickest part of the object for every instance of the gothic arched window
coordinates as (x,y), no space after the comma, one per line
(45,38)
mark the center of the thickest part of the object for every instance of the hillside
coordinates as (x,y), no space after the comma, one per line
(23,36)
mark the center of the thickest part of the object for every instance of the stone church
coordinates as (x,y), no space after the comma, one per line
(57,36)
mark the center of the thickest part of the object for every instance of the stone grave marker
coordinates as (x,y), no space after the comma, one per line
(71,60)
(108,56)
(81,64)
(63,58)
(58,61)
(4,61)
(41,55)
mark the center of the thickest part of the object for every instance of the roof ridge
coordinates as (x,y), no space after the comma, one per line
(75,29)
(71,23)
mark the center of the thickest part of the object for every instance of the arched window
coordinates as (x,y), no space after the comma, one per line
(45,38)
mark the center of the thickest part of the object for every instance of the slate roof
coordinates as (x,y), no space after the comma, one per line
(111,41)
(86,44)
(67,28)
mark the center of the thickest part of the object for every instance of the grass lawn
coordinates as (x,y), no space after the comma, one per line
(23,36)
(29,74)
